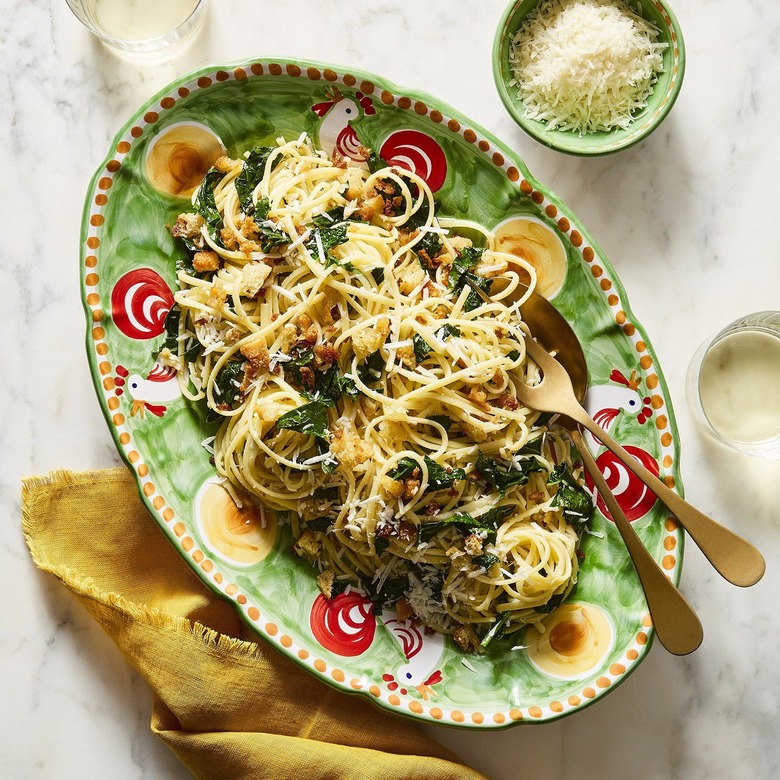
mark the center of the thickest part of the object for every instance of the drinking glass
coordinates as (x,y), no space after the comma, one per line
(140,26)
(733,384)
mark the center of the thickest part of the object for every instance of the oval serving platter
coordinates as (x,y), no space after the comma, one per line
(128,272)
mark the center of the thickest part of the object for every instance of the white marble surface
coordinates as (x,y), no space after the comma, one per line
(687,218)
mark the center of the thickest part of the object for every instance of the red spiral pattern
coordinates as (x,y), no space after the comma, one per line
(417,152)
(345,625)
(140,301)
(633,496)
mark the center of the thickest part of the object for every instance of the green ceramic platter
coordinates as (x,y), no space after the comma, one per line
(128,271)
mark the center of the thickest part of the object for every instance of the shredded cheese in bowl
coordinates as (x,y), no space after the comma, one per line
(585,65)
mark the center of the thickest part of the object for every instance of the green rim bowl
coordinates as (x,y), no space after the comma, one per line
(660,102)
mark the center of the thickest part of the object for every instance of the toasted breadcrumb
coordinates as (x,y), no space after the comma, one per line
(225,164)
(348,447)
(207,260)
(367,341)
(253,276)
(308,546)
(404,610)
(478,397)
(187,225)
(412,277)
(466,640)
(325,582)
(257,354)
(474,432)
(473,544)
(392,487)
(217,296)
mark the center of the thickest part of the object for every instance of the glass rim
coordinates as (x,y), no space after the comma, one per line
(137,45)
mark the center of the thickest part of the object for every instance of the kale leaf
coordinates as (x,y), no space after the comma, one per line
(422,348)
(192,348)
(370,371)
(496,631)
(328,466)
(467,259)
(375,162)
(438,476)
(320,523)
(172,319)
(466,524)
(553,603)
(328,218)
(442,419)
(269,238)
(227,387)
(329,237)
(388,595)
(502,478)
(404,469)
(427,248)
(292,368)
(329,386)
(206,203)
(327,493)
(461,274)
(474,300)
(311,418)
(485,561)
(572,498)
(420,217)
(250,176)
(378,274)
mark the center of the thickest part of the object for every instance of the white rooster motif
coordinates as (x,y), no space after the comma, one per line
(406,148)
(335,131)
(150,393)
(423,653)
(605,402)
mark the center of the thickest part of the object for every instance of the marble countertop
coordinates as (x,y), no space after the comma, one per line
(687,217)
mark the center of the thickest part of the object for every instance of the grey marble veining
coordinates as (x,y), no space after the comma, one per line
(688,219)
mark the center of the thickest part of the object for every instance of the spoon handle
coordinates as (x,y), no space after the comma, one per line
(676,624)
(733,557)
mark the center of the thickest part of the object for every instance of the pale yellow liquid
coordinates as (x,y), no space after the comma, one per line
(140,20)
(739,386)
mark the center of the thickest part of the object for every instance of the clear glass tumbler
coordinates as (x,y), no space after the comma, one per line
(733,385)
(140,26)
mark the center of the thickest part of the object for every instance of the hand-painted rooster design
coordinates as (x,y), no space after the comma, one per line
(423,652)
(605,402)
(150,393)
(335,131)
(346,625)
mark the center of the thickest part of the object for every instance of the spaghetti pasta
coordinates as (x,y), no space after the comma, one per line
(366,392)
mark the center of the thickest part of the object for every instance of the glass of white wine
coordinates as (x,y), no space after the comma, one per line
(140,26)
(733,384)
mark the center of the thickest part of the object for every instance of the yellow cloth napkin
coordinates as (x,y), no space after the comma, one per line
(228,706)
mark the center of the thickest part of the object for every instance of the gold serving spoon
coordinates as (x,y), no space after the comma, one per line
(734,558)
(677,626)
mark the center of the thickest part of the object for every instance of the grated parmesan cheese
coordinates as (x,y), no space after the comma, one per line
(585,65)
